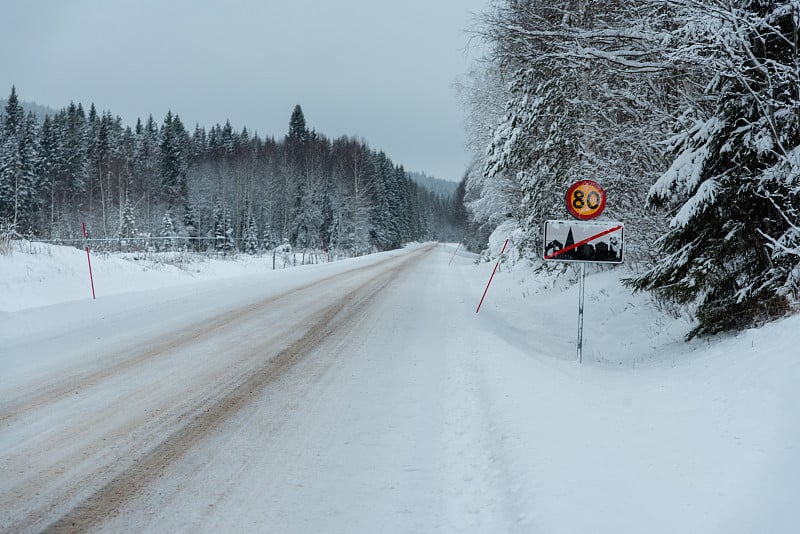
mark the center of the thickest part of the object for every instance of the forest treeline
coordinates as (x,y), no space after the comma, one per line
(687,112)
(222,189)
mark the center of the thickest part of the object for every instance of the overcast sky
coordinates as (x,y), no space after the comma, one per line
(380,70)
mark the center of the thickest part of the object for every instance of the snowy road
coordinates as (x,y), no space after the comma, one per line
(279,413)
(367,396)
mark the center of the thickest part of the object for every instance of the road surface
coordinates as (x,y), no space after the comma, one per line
(324,403)
(368,396)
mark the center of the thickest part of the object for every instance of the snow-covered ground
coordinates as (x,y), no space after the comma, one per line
(411,414)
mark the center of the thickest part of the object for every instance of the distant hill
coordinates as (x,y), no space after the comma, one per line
(443,188)
(38,110)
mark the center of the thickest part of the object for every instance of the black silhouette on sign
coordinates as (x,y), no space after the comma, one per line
(595,243)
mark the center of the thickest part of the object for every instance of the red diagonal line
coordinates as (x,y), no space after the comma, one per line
(579,243)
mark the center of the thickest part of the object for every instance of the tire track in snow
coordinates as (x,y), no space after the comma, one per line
(169,342)
(104,502)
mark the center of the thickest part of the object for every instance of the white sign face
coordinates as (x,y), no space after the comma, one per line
(582,241)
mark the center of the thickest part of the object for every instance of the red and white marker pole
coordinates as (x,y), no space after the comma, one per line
(490,278)
(88,259)
(454,254)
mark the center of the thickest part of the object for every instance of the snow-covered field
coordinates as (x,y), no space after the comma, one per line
(391,406)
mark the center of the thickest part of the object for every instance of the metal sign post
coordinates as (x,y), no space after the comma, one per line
(580,312)
(583,242)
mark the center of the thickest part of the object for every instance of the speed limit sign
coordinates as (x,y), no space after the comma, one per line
(586,199)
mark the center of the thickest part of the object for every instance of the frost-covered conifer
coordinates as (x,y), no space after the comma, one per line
(127,224)
(585,80)
(19,147)
(733,189)
(251,235)
(167,231)
(223,230)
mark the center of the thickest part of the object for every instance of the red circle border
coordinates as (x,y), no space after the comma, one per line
(572,189)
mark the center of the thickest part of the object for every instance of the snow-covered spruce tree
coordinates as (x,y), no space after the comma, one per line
(223,230)
(19,142)
(734,187)
(146,166)
(10,174)
(175,152)
(250,244)
(585,80)
(48,147)
(167,232)
(127,226)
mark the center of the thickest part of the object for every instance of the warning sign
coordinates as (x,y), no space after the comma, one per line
(580,241)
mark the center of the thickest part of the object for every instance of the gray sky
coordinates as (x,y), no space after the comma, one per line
(378,70)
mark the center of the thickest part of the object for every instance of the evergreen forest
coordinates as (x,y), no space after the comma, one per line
(687,112)
(160,186)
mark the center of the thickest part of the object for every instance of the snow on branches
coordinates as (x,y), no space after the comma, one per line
(733,245)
